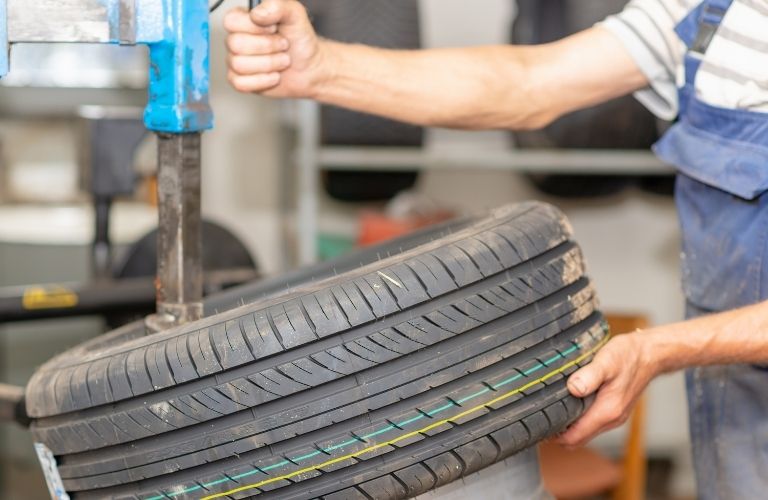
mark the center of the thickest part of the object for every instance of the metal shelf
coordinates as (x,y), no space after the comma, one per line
(572,161)
(310,157)
(60,102)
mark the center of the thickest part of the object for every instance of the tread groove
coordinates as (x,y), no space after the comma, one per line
(211,341)
(307,318)
(275,331)
(339,307)
(245,338)
(362,295)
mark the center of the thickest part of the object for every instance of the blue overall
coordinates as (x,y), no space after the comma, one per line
(722,161)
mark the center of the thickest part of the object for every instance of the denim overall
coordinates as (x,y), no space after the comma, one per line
(722,161)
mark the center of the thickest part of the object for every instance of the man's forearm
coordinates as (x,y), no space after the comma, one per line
(738,336)
(502,87)
(274,51)
(474,87)
(621,371)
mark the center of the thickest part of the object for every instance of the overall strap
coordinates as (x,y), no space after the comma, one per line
(724,148)
(699,26)
(697,30)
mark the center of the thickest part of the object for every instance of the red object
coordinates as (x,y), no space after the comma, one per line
(376,227)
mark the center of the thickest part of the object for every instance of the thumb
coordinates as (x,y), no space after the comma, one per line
(587,380)
(271,12)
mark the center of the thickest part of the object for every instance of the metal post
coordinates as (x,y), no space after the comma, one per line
(179,241)
(308,166)
(101,248)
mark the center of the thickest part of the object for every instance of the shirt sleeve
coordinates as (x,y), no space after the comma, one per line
(646,28)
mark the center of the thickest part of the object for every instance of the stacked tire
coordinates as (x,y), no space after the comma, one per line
(435,356)
(394,24)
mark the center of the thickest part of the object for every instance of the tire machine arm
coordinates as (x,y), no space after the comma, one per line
(178,111)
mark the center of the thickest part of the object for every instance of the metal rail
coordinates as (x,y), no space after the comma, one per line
(550,161)
(130,295)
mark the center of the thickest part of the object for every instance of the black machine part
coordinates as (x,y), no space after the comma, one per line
(222,252)
(113,136)
(112,145)
(119,301)
(129,293)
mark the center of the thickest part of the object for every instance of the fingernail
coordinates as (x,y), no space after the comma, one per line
(578,384)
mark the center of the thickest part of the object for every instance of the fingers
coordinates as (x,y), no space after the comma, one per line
(608,412)
(256,45)
(618,373)
(272,45)
(274,12)
(238,20)
(616,356)
(246,65)
(260,82)
(587,380)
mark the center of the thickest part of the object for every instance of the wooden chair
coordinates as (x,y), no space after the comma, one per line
(585,473)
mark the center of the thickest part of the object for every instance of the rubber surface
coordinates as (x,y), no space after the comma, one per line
(379,382)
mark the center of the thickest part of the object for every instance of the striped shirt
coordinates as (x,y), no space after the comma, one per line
(733,73)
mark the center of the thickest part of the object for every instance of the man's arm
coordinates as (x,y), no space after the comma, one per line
(625,366)
(274,51)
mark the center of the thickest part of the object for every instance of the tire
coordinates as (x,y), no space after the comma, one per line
(621,123)
(394,24)
(381,382)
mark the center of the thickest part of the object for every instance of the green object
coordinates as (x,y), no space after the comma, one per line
(330,246)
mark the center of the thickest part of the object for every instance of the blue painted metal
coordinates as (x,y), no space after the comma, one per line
(177,34)
(179,73)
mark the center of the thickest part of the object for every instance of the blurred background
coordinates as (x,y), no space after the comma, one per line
(289,183)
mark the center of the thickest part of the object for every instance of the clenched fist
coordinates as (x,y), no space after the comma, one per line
(274,51)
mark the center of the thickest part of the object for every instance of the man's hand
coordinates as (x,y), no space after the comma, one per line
(623,368)
(619,373)
(273,50)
